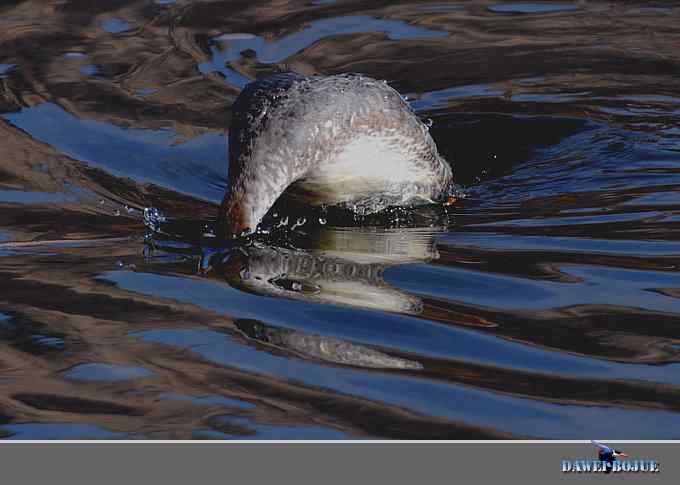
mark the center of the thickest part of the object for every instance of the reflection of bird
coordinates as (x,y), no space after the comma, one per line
(608,455)
(345,140)
(328,349)
(342,267)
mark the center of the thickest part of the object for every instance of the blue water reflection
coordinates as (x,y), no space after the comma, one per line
(482,408)
(529,8)
(401,332)
(59,431)
(116,26)
(228,47)
(196,167)
(107,372)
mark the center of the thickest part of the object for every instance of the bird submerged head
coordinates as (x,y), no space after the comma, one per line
(345,139)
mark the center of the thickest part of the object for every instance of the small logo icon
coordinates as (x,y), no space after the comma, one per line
(608,455)
(609,460)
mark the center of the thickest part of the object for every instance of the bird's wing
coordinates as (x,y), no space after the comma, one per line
(602,446)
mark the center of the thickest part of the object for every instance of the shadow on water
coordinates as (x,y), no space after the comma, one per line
(544,303)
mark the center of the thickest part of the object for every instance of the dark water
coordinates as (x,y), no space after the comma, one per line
(544,304)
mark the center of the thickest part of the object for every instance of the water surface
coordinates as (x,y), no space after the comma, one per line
(543,304)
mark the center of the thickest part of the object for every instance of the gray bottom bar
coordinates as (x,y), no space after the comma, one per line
(323,463)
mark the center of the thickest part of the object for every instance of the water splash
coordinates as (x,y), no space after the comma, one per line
(153,218)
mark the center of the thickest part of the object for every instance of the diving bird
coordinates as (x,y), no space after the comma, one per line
(608,455)
(344,140)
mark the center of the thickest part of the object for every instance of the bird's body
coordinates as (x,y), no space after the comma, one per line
(336,140)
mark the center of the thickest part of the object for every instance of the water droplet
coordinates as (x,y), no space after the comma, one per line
(75,55)
(119,264)
(322,221)
(153,218)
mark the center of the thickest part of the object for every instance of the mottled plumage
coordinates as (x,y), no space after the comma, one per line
(337,140)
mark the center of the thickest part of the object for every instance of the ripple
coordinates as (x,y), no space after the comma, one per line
(25,197)
(228,49)
(71,404)
(59,431)
(150,155)
(437,99)
(441,7)
(532,8)
(107,372)
(5,68)
(116,26)
(146,91)
(75,55)
(5,320)
(483,408)
(542,304)
(655,199)
(595,286)
(90,70)
(207,400)
(505,242)
(49,341)
(243,428)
